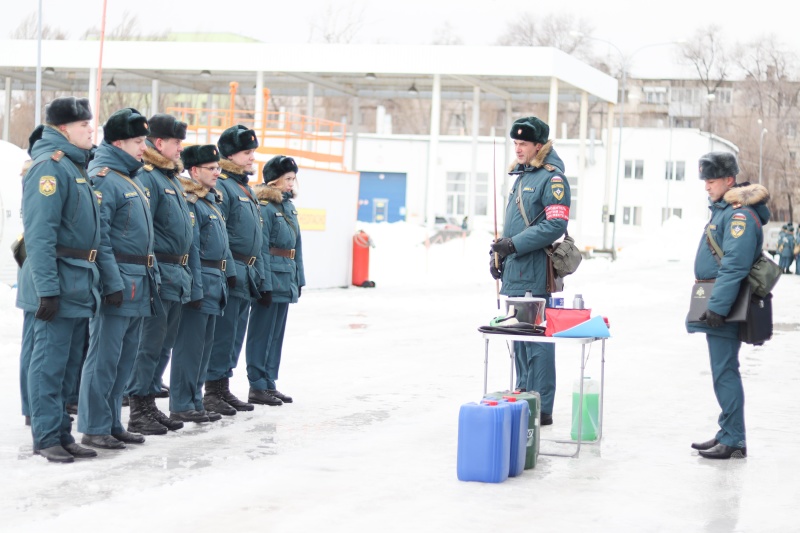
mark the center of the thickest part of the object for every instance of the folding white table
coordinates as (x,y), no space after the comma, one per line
(582,341)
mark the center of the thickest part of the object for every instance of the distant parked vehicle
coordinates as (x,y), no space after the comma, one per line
(772,232)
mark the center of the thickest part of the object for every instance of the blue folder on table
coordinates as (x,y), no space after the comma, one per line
(594,327)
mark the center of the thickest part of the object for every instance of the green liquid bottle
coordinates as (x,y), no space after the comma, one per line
(591,409)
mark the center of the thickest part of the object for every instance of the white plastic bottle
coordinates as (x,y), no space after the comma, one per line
(577,303)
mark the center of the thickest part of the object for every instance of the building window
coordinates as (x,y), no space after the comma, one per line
(632,216)
(655,95)
(634,169)
(676,169)
(791,130)
(456,186)
(667,212)
(573,194)
(723,96)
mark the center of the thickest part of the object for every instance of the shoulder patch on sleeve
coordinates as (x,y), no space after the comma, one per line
(556,179)
(192,199)
(47,185)
(57,155)
(739,216)
(148,167)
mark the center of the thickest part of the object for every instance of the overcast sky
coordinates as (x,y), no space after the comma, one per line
(628,24)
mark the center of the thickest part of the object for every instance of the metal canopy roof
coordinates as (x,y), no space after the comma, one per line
(502,72)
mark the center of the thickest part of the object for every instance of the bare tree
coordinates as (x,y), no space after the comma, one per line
(707,53)
(337,24)
(29,29)
(445,35)
(558,30)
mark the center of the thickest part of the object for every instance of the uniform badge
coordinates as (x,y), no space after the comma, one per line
(278,214)
(191,215)
(213,217)
(737,228)
(558,191)
(170,191)
(528,189)
(700,292)
(47,185)
(132,194)
(99,195)
(147,192)
(556,179)
(519,131)
(243,198)
(80,180)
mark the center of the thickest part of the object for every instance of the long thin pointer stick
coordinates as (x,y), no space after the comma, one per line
(494,187)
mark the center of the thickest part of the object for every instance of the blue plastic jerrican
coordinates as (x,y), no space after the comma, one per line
(484,441)
(521,413)
(594,327)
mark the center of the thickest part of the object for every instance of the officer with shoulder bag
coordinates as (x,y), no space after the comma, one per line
(738,212)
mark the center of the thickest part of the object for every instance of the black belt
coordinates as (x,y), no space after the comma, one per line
(220,265)
(75,253)
(249,260)
(282,252)
(146,260)
(174,259)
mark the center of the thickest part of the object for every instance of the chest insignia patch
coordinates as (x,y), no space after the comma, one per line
(99,195)
(170,191)
(243,198)
(132,194)
(528,189)
(213,217)
(147,192)
(737,228)
(556,179)
(278,214)
(47,185)
(558,191)
(80,180)
(712,226)
(191,216)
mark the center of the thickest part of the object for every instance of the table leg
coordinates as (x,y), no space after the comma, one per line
(602,385)
(485,366)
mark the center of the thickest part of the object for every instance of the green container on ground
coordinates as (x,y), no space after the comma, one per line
(591,409)
(535,404)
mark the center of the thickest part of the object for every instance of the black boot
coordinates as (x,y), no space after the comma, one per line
(705,445)
(212,399)
(285,398)
(141,420)
(232,400)
(263,397)
(55,454)
(161,418)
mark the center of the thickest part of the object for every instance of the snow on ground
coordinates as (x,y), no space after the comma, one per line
(378,376)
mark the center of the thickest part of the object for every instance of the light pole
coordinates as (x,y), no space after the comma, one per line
(623,95)
(761,150)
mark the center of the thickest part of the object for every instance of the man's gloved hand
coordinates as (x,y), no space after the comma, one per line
(496,273)
(232,282)
(299,291)
(504,247)
(48,308)
(196,304)
(115,299)
(266,299)
(712,319)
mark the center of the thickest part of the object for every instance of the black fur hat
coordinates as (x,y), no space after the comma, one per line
(163,126)
(277,167)
(530,129)
(198,154)
(236,139)
(35,136)
(67,109)
(124,124)
(718,165)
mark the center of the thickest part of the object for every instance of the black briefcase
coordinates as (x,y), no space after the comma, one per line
(701,293)
(758,327)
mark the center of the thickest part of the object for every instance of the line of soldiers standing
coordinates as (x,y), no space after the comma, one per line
(148,263)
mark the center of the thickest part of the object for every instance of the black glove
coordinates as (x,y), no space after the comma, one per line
(504,247)
(299,291)
(115,299)
(266,299)
(48,307)
(712,319)
(232,282)
(497,273)
(196,304)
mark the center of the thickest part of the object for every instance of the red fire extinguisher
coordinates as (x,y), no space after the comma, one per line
(361,245)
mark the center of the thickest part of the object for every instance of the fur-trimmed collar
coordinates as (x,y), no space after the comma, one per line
(746,194)
(192,187)
(229,166)
(153,157)
(270,194)
(538,159)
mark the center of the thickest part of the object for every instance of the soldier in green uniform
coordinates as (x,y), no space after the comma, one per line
(738,212)
(237,146)
(209,290)
(172,225)
(58,282)
(536,216)
(129,276)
